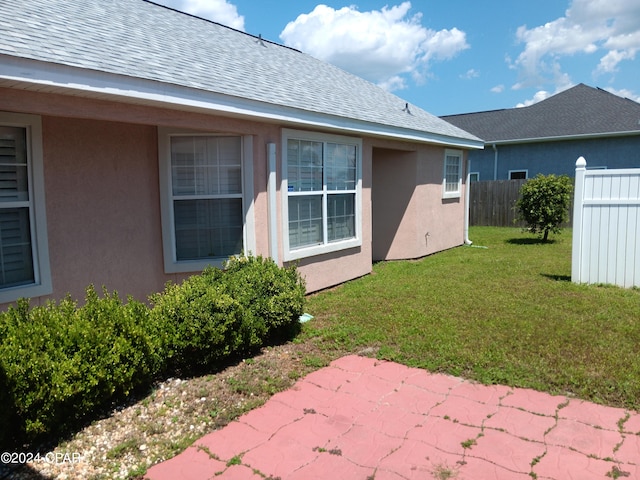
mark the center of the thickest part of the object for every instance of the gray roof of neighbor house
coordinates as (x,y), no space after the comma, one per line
(138,51)
(580,111)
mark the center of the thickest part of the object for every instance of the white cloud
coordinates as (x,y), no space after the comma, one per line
(625,93)
(611,27)
(609,63)
(393,83)
(543,94)
(384,46)
(498,89)
(538,97)
(469,74)
(220,11)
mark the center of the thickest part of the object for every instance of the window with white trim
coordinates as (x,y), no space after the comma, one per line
(452,180)
(204,212)
(322,182)
(24,261)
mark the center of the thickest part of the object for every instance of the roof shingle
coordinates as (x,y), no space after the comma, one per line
(139,39)
(580,110)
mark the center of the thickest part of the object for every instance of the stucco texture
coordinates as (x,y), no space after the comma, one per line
(102,201)
(410,217)
(103,196)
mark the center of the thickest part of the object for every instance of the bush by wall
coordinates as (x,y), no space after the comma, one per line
(61,364)
(195,324)
(272,298)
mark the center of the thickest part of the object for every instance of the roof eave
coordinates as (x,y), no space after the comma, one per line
(50,77)
(559,138)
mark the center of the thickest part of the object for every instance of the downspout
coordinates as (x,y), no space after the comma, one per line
(495,162)
(467,190)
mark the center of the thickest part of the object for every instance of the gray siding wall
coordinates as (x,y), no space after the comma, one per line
(556,157)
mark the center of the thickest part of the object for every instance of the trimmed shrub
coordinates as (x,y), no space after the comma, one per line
(195,324)
(272,298)
(62,363)
(220,314)
(8,413)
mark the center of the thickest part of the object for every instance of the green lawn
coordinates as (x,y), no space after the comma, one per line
(505,314)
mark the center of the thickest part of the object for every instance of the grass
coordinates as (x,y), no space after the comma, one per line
(505,314)
(443,472)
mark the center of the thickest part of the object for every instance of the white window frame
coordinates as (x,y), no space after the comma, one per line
(477,175)
(42,284)
(526,174)
(451,193)
(171,264)
(326,246)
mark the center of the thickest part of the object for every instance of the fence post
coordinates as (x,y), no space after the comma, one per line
(578,198)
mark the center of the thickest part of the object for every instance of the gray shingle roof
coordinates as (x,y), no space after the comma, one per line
(578,111)
(139,39)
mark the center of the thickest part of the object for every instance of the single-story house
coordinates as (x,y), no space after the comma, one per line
(549,136)
(139,144)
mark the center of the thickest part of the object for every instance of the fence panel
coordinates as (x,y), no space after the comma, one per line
(606,226)
(492,203)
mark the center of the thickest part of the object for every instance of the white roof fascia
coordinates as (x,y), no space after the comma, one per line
(41,76)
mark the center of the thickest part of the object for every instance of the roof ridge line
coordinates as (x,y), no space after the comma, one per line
(482,111)
(258,37)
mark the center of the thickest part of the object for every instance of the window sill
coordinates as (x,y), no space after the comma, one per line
(193,266)
(447,196)
(315,250)
(12,294)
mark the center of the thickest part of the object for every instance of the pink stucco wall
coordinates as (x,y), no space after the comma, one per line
(102,206)
(394,191)
(102,188)
(410,217)
(439,222)
(103,196)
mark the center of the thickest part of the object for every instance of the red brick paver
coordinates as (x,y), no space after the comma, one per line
(362,418)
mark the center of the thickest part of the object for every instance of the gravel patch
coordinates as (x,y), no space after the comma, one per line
(171,417)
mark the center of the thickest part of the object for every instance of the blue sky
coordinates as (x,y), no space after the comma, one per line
(454,56)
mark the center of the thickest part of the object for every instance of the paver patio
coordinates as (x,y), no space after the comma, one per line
(362,418)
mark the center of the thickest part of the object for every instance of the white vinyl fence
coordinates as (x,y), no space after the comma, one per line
(606,226)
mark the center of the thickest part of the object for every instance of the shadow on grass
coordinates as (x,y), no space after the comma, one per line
(557,278)
(530,241)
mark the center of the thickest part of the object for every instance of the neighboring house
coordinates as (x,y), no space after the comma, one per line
(139,144)
(549,136)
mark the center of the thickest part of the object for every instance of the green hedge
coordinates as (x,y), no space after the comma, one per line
(62,364)
(272,298)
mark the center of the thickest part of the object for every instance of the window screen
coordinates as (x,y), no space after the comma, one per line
(321,192)
(206,177)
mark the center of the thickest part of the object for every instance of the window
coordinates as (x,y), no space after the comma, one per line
(452,181)
(518,174)
(24,260)
(474,177)
(204,214)
(322,181)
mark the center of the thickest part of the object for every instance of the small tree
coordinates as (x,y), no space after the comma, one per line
(544,203)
